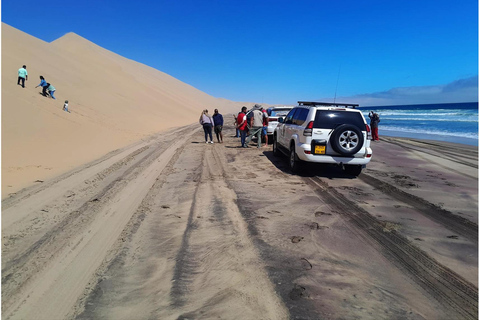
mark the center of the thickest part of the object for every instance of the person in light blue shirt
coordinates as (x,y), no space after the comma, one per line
(51,90)
(44,85)
(22,76)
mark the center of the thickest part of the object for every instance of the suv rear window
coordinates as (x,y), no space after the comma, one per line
(329,119)
(279,112)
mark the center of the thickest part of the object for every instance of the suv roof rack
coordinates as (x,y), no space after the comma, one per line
(314,103)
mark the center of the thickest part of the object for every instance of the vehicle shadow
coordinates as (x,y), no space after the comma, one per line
(329,171)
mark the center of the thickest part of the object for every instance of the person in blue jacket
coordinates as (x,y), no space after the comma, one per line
(218,120)
(44,86)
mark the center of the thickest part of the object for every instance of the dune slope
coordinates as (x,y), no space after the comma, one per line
(114,101)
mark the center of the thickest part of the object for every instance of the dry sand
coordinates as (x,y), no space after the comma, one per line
(149,223)
(114,102)
(171,228)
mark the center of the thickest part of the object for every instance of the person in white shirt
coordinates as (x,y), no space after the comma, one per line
(207,122)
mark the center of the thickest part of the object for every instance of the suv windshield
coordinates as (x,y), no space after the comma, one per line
(329,119)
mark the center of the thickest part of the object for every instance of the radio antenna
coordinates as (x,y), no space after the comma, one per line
(336,87)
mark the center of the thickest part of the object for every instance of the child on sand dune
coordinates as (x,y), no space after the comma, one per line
(65,106)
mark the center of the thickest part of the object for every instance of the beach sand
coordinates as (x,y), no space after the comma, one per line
(133,216)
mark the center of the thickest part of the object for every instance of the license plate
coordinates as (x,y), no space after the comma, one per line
(319,150)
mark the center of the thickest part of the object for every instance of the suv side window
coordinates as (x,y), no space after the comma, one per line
(329,119)
(289,118)
(300,116)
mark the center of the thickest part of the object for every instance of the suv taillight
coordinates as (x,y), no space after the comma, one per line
(308,129)
(369,133)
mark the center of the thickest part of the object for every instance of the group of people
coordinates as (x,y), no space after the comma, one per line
(248,125)
(251,124)
(208,122)
(47,88)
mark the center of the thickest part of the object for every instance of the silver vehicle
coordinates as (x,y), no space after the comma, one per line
(322,132)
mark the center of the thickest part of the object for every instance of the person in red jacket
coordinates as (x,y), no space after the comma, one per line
(242,125)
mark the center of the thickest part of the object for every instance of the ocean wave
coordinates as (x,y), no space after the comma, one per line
(426,114)
(470,135)
(430,119)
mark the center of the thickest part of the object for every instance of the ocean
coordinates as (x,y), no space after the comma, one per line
(451,122)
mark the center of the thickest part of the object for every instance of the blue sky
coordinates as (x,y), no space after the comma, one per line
(278,52)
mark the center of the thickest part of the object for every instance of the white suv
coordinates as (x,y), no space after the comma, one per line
(321,132)
(273,115)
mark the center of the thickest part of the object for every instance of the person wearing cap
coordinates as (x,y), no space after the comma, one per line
(22,75)
(218,120)
(256,123)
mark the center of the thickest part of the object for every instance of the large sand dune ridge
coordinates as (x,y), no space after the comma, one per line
(114,102)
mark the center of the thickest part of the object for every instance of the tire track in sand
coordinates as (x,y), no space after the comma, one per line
(218,264)
(53,292)
(458,295)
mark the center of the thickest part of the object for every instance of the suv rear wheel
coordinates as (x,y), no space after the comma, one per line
(347,139)
(276,152)
(293,161)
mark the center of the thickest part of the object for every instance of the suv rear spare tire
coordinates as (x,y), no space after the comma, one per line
(346,139)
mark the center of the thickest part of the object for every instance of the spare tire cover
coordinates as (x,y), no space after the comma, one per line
(346,139)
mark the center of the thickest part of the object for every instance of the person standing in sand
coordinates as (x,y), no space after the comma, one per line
(265,126)
(256,123)
(242,125)
(207,122)
(22,75)
(237,132)
(218,120)
(374,120)
(43,84)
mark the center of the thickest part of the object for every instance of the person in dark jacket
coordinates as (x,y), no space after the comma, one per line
(44,85)
(218,120)
(374,120)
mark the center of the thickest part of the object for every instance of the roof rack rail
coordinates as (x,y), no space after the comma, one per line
(315,103)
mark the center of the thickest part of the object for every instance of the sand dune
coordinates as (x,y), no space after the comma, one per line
(114,102)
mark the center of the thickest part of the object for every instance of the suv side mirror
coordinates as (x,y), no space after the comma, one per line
(281,119)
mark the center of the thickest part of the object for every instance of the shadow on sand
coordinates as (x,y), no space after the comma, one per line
(329,171)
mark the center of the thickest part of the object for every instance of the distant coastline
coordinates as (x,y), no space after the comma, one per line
(449,122)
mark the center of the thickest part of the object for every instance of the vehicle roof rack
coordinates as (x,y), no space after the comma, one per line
(314,103)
